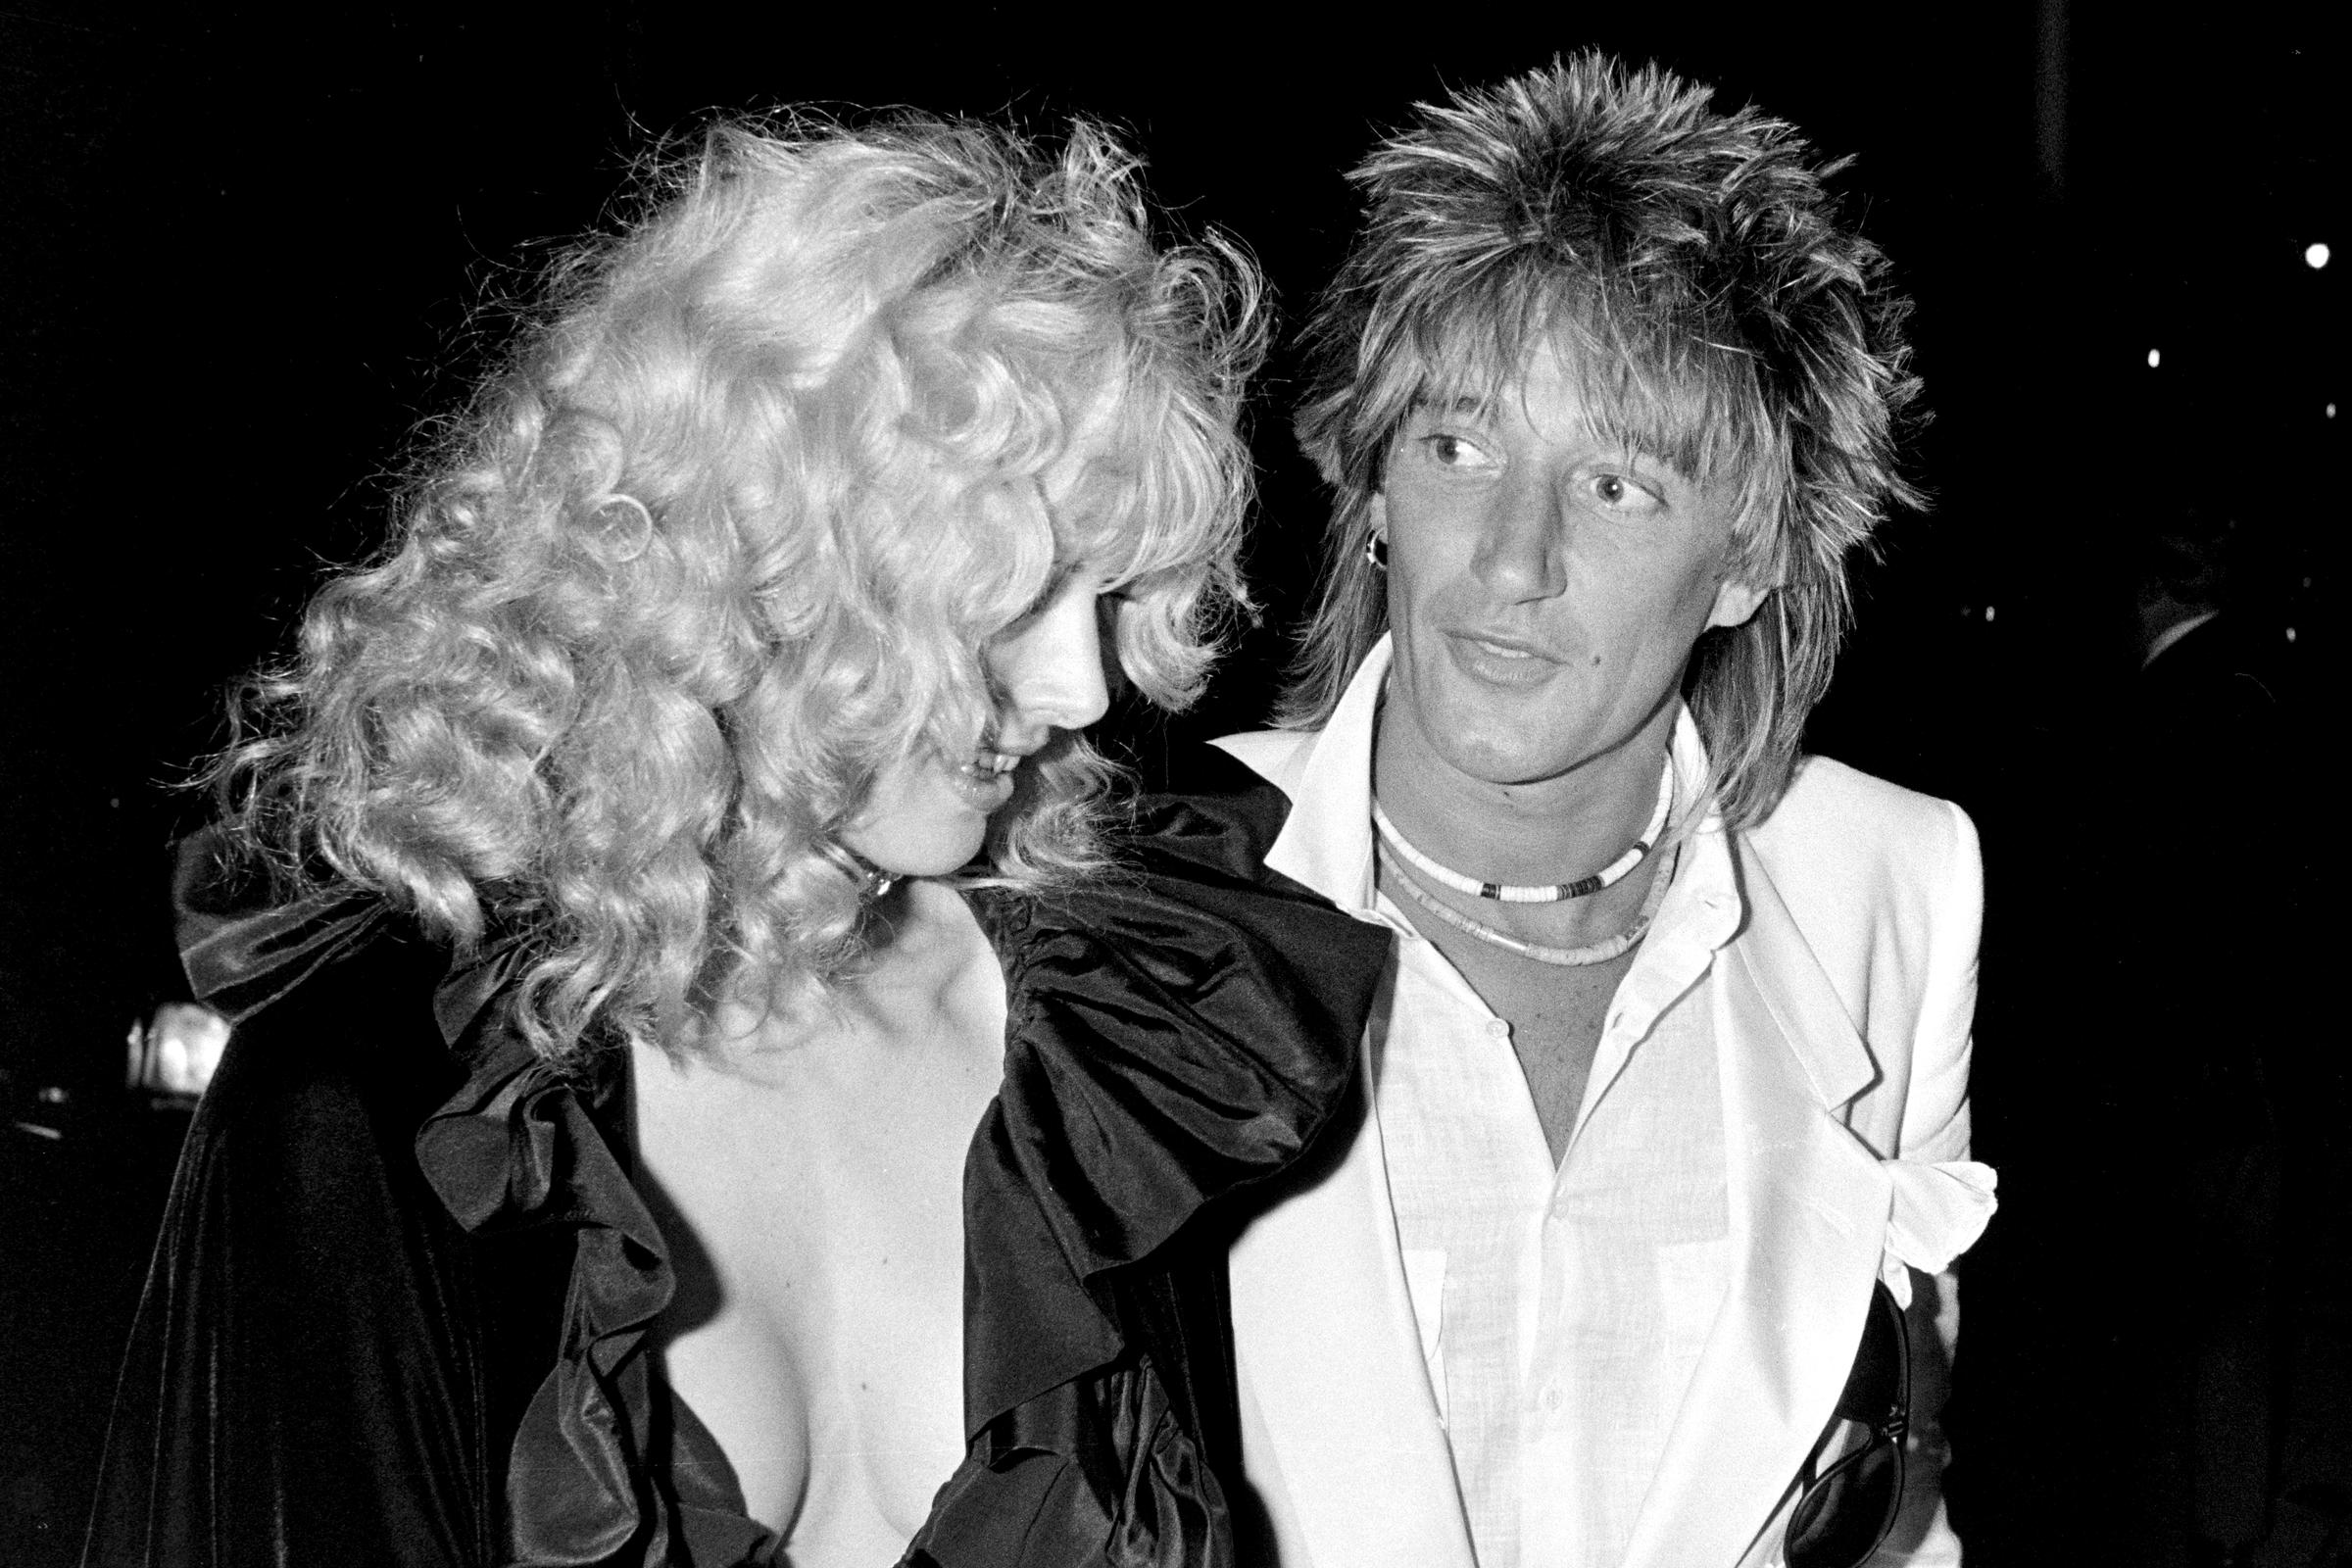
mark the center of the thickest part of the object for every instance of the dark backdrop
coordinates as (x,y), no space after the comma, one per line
(239,260)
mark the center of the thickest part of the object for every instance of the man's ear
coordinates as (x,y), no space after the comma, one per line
(1736,600)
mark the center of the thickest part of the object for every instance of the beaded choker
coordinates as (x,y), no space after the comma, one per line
(1600,952)
(1543,891)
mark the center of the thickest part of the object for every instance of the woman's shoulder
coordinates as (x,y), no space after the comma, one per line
(352,1036)
(329,994)
(1179,1024)
(332,984)
(1186,915)
(1181,981)
(1211,808)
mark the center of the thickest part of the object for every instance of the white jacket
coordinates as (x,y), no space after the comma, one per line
(1842,1012)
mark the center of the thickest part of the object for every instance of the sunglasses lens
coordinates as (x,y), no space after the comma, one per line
(1842,1517)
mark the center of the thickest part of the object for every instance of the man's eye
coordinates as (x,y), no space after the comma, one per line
(1617,491)
(1453,451)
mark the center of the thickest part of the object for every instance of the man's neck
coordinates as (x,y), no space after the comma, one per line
(1545,830)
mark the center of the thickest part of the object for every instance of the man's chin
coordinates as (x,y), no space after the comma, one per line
(1505,761)
(1496,742)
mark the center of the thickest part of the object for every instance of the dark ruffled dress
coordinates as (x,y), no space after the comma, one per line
(398,1311)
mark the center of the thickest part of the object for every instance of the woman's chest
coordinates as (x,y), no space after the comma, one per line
(813,1211)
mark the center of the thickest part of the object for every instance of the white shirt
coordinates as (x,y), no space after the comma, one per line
(1560,1310)
(1838,1014)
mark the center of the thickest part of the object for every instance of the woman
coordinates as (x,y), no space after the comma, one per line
(587,1180)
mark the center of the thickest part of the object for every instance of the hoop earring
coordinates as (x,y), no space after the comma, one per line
(1376,550)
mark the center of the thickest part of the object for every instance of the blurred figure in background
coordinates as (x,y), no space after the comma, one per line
(2202,900)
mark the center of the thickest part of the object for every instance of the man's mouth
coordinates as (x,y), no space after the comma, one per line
(1499,658)
(1500,645)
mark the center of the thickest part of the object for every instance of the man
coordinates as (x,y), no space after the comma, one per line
(1670,1061)
(2215,1072)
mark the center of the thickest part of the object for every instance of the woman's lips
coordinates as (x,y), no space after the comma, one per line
(985,780)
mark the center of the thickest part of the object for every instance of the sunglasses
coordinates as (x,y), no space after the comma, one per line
(1843,1513)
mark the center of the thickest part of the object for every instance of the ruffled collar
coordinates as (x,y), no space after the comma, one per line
(603,1469)
(605,1466)
(1177,1030)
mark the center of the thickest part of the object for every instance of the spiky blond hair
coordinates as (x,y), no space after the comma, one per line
(1718,312)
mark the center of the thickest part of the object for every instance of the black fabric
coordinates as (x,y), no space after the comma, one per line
(605,1468)
(399,1309)
(306,1383)
(1179,1034)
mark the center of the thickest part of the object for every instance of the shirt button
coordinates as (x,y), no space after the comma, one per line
(1551,1397)
(1498,1028)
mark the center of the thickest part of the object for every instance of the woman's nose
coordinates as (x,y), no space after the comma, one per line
(1051,670)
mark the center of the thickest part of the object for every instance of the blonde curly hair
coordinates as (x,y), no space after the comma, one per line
(729,533)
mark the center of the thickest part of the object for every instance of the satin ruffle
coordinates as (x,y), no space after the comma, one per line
(1178,1032)
(1178,1029)
(593,1475)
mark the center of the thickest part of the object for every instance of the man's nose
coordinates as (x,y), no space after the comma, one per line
(1520,553)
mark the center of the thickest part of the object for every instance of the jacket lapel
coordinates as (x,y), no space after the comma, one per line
(1331,1370)
(1809,1206)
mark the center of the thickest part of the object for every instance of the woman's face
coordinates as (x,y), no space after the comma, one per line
(927,816)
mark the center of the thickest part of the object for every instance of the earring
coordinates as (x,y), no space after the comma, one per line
(1376,550)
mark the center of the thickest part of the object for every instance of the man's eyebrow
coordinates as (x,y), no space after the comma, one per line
(1463,403)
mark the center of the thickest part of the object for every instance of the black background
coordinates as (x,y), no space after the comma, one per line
(240,260)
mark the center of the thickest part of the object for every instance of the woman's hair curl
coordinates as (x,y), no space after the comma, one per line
(728,535)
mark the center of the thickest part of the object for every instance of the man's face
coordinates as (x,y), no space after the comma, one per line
(1545,585)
